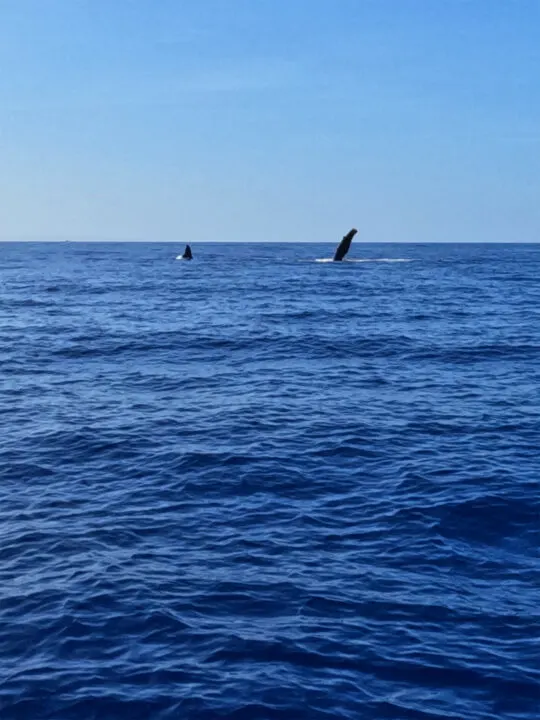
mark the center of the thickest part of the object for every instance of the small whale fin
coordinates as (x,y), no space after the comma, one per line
(343,247)
(187,253)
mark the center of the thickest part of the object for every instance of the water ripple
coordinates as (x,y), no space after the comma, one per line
(249,489)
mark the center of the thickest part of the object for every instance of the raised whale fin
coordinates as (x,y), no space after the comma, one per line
(187,253)
(343,247)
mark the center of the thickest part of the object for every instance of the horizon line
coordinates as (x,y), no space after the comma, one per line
(264,242)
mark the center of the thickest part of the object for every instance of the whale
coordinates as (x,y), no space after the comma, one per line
(344,246)
(187,254)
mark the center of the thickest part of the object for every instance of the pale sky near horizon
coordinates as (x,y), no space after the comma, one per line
(270,120)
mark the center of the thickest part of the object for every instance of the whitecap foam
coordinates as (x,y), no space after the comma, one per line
(364,260)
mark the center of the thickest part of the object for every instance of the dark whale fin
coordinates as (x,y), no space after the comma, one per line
(187,253)
(343,247)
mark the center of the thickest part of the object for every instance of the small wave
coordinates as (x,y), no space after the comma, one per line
(27,302)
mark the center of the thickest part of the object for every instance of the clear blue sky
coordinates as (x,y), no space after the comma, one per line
(191,120)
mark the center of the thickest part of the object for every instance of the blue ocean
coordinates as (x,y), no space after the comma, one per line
(261,486)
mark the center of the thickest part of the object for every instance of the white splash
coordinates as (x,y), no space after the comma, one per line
(364,260)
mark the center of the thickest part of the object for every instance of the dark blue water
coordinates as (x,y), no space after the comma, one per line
(255,486)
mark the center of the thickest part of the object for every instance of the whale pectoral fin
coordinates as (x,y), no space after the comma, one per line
(343,247)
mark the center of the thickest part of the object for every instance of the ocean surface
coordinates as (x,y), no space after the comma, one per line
(255,486)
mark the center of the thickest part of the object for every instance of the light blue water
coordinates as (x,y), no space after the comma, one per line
(258,486)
